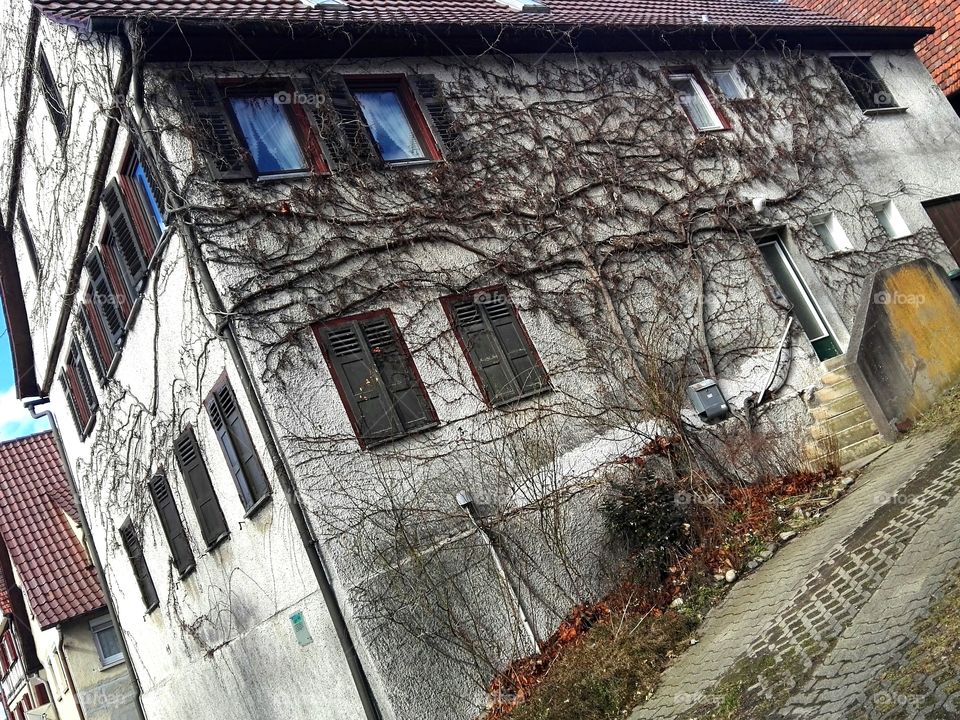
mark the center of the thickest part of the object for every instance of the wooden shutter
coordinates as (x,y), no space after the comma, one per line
(492,369)
(237,445)
(356,146)
(221,146)
(105,301)
(397,371)
(127,248)
(323,136)
(98,350)
(69,391)
(171,523)
(84,384)
(213,527)
(502,318)
(945,214)
(138,562)
(429,92)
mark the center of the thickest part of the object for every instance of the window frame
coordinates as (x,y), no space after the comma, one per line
(702,90)
(53,99)
(29,241)
(317,162)
(888,209)
(72,377)
(745,90)
(416,116)
(367,442)
(98,626)
(138,207)
(835,230)
(447,304)
(873,77)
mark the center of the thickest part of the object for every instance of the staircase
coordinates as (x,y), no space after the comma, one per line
(842,429)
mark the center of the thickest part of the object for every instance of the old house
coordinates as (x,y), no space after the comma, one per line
(340,306)
(60,653)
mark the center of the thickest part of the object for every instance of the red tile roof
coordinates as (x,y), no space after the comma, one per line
(56,574)
(575,12)
(939,51)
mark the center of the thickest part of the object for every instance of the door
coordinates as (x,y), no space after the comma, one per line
(945,214)
(795,291)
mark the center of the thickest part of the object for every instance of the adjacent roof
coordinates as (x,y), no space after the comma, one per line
(35,502)
(466,12)
(940,51)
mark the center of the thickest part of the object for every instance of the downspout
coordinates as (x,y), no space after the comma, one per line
(318,563)
(94,556)
(69,673)
(23,115)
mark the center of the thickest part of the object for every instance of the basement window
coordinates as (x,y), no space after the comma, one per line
(695,102)
(394,120)
(863,82)
(830,230)
(108,643)
(891,220)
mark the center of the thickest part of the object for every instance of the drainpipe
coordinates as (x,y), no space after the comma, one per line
(69,674)
(31,405)
(318,562)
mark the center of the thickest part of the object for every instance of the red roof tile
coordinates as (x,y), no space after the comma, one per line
(939,51)
(575,12)
(56,574)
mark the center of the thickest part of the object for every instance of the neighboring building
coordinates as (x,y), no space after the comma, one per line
(340,307)
(940,51)
(61,655)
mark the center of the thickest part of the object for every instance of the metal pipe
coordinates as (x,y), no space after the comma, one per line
(47,415)
(284,474)
(69,674)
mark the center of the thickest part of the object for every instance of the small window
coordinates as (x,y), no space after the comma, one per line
(269,133)
(695,102)
(143,201)
(237,446)
(108,643)
(731,84)
(141,571)
(375,375)
(51,94)
(500,353)
(863,82)
(28,241)
(890,220)
(394,120)
(78,388)
(171,523)
(830,230)
(103,315)
(213,527)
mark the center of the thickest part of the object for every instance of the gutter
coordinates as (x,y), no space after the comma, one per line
(94,556)
(149,133)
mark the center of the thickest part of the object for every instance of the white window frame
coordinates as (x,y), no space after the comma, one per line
(835,239)
(744,91)
(701,96)
(895,226)
(98,626)
(784,255)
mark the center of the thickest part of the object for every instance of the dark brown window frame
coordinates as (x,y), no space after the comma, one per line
(78,387)
(346,398)
(448,302)
(52,96)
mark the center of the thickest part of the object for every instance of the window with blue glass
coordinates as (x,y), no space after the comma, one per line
(395,121)
(269,131)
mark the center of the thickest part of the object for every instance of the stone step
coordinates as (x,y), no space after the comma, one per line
(829,393)
(839,423)
(822,454)
(835,377)
(832,409)
(834,363)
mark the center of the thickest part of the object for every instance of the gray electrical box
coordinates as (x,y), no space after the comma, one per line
(707,400)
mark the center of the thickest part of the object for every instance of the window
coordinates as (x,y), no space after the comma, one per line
(171,523)
(28,241)
(139,190)
(43,697)
(103,315)
(695,102)
(267,129)
(78,388)
(108,643)
(394,120)
(890,220)
(731,84)
(141,571)
(51,94)
(202,496)
(830,230)
(376,377)
(863,82)
(501,356)
(237,446)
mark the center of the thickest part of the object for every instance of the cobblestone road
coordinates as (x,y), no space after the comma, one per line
(810,632)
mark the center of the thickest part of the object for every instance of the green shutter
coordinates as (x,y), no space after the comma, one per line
(490,365)
(171,523)
(213,527)
(503,320)
(138,562)
(237,445)
(429,92)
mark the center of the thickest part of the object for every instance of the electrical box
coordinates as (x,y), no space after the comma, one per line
(300,629)
(708,401)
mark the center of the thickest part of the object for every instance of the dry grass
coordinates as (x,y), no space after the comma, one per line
(946,413)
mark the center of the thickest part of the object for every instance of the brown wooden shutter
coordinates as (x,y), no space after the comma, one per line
(131,543)
(237,445)
(213,527)
(429,92)
(356,147)
(221,146)
(127,248)
(84,384)
(98,350)
(171,523)
(397,371)
(321,124)
(68,386)
(105,301)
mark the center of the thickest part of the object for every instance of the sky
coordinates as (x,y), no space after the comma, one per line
(15,421)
